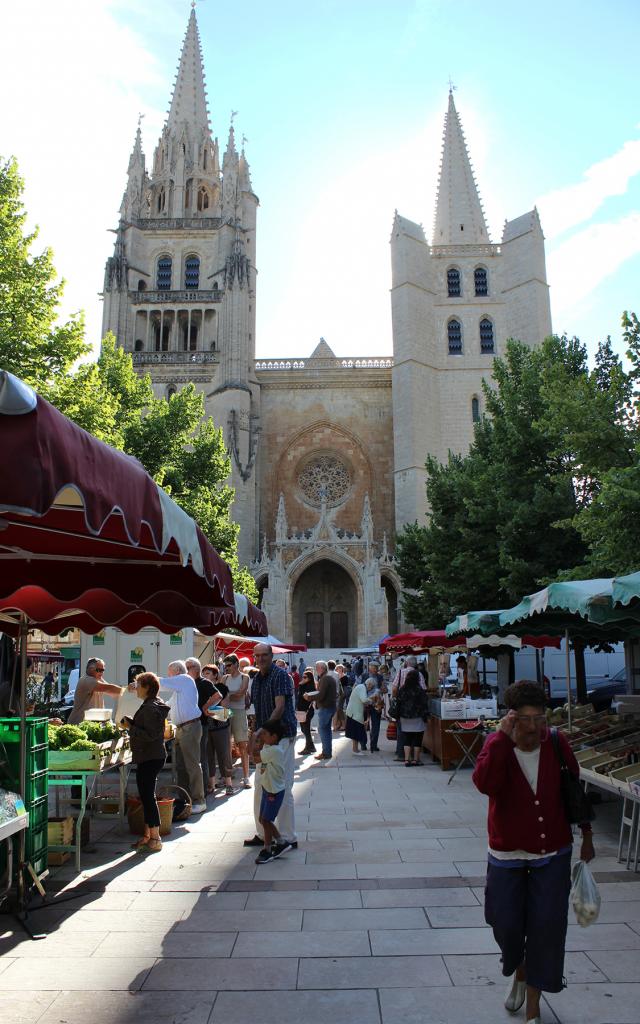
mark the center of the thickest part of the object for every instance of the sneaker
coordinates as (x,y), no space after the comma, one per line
(294,844)
(358,753)
(246,784)
(515,995)
(265,856)
(198,808)
(279,848)
(229,790)
(256,841)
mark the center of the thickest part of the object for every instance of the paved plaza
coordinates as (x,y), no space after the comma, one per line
(376,918)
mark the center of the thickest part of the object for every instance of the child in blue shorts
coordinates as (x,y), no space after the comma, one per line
(271,767)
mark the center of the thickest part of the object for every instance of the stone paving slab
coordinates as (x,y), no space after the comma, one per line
(597,1004)
(370,972)
(446,1006)
(424,897)
(241,920)
(301,944)
(129,1008)
(485,969)
(193,975)
(359,1006)
(24,1007)
(76,973)
(173,944)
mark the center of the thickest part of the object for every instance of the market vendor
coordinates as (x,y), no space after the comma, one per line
(90,689)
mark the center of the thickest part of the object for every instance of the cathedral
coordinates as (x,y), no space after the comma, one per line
(328,452)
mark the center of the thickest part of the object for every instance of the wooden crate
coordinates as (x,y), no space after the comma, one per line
(60,831)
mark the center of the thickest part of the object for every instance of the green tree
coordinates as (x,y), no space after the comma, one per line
(33,344)
(183,451)
(501,517)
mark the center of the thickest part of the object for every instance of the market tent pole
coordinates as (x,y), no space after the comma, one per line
(568,665)
(22,640)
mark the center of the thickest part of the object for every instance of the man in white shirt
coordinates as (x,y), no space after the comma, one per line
(186,715)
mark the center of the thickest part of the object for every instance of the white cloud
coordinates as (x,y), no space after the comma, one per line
(576,267)
(73,81)
(567,207)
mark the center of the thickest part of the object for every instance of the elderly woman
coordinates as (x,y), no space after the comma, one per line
(356,710)
(529,869)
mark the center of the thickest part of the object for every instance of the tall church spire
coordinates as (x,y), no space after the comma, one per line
(459,215)
(189,100)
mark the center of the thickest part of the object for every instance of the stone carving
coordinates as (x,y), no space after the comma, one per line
(324,479)
(234,445)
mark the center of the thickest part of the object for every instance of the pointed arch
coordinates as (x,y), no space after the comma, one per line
(487,340)
(481,281)
(454,283)
(164,267)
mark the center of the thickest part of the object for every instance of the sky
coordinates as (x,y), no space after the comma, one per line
(342,103)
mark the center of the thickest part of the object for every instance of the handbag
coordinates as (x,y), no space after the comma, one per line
(394,708)
(392,731)
(577,805)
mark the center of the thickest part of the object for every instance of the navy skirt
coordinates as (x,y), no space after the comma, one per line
(355,731)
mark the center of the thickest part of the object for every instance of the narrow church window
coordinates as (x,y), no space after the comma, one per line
(142,286)
(203,199)
(139,345)
(204,158)
(163,277)
(187,195)
(454,333)
(480,281)
(216,287)
(454,288)
(162,198)
(475,409)
(192,273)
(190,340)
(486,337)
(171,390)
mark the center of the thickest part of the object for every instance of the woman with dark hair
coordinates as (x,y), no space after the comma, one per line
(305,710)
(529,869)
(146,730)
(413,705)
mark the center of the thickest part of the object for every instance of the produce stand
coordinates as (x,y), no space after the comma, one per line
(439,738)
(86,778)
(607,748)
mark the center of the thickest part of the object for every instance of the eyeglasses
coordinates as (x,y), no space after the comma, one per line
(531,719)
(99,670)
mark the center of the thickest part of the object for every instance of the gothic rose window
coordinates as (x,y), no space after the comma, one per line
(324,477)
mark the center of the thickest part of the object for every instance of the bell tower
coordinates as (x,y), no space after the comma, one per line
(180,287)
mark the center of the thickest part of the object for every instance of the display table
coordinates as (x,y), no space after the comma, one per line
(7,831)
(87,781)
(438,739)
(469,742)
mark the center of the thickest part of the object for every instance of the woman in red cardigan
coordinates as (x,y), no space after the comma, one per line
(529,868)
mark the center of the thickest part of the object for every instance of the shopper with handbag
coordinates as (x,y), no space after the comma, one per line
(531,806)
(237,683)
(146,731)
(305,711)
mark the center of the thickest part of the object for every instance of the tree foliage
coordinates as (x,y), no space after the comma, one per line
(180,448)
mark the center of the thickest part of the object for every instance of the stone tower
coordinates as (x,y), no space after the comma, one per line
(179,290)
(454,304)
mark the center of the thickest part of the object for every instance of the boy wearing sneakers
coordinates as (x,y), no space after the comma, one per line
(270,761)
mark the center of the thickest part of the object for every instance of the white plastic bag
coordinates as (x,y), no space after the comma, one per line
(585,897)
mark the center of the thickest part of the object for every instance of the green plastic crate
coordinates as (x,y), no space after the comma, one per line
(39,812)
(37,842)
(37,731)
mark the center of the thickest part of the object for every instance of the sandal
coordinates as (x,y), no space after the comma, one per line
(407,764)
(141,843)
(154,845)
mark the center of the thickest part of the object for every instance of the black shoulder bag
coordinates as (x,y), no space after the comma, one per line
(577,806)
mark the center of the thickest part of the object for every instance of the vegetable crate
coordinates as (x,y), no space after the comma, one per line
(102,756)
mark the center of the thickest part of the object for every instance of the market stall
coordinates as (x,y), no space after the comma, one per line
(88,539)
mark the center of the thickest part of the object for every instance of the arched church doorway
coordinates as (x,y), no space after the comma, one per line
(325,606)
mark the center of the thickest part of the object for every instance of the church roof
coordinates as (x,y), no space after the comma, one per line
(459,216)
(322,351)
(408,227)
(189,100)
(520,225)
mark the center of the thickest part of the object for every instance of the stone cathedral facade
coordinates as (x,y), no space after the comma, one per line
(327,451)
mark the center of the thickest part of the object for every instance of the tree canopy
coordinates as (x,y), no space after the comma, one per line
(178,446)
(549,489)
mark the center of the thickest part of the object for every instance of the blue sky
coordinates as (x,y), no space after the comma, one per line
(343,106)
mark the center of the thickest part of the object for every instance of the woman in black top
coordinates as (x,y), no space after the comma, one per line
(307,685)
(146,730)
(212,694)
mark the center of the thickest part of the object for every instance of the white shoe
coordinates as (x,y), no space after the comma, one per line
(535,1020)
(515,995)
(358,753)
(198,808)
(246,784)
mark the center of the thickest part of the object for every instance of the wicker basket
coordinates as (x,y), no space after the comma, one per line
(135,815)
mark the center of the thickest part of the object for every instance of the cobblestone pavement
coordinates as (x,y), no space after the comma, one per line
(376,917)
